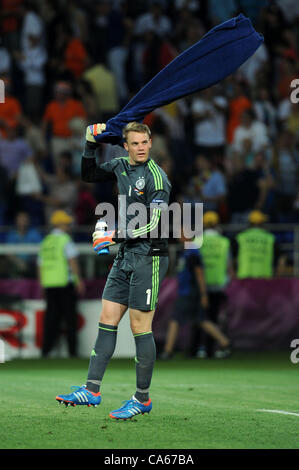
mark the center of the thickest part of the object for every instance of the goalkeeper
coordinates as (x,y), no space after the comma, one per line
(138,269)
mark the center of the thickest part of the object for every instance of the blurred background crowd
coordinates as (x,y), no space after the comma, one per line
(69,63)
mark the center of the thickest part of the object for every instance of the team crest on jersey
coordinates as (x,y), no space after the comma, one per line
(140,183)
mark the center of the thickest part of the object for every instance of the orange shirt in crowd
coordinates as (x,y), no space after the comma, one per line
(59,114)
(10,113)
(75,57)
(236,108)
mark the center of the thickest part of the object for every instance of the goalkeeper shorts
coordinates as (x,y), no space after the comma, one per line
(135,280)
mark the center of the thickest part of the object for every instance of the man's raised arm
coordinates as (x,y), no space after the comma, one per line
(91,172)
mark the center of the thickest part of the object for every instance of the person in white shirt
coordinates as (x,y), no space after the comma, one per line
(209,115)
(32,61)
(251,130)
(154,20)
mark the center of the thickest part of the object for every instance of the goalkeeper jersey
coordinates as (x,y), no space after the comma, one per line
(145,183)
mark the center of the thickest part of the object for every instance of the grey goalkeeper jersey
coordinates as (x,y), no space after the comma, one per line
(145,184)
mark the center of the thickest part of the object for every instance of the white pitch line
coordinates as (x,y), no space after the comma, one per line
(280,412)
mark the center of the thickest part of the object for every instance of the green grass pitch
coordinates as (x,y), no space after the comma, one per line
(197,404)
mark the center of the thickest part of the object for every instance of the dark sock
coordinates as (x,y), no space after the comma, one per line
(145,361)
(100,356)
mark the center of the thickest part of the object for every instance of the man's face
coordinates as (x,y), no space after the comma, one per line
(138,146)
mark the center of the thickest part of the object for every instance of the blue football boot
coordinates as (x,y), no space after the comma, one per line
(131,408)
(80,396)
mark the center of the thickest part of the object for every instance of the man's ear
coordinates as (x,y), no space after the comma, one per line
(126,146)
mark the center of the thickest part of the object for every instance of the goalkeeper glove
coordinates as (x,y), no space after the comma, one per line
(93,131)
(102,240)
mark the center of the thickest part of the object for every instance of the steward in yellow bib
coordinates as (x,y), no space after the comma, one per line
(217,263)
(60,279)
(256,251)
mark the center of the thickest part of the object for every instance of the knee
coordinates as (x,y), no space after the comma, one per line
(107,318)
(111,314)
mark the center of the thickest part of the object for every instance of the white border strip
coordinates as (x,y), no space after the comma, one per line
(280,412)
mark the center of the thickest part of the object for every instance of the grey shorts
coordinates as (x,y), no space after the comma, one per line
(135,280)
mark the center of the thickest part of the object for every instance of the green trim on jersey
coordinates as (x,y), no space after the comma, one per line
(150,226)
(156,174)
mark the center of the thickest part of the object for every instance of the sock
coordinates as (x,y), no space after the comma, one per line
(145,361)
(100,356)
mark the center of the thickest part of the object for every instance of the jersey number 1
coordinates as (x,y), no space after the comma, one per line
(148,296)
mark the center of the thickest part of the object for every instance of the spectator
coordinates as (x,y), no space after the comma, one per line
(32,25)
(209,115)
(267,184)
(157,53)
(283,112)
(100,24)
(252,132)
(83,92)
(28,183)
(265,110)
(10,21)
(86,205)
(58,114)
(189,30)
(286,74)
(154,20)
(78,20)
(10,110)
(238,102)
(103,86)
(120,36)
(243,193)
(285,161)
(208,185)
(75,56)
(13,151)
(62,190)
(22,233)
(32,62)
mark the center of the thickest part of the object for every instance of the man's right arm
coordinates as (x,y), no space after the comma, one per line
(91,171)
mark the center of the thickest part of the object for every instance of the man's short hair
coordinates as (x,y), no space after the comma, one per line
(135,127)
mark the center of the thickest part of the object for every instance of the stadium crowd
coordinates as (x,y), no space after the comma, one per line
(69,63)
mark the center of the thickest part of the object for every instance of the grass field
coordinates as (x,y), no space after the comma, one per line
(196,405)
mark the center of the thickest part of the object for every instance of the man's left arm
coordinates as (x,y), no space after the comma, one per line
(158,203)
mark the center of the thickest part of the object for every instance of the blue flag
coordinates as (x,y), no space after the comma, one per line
(218,54)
